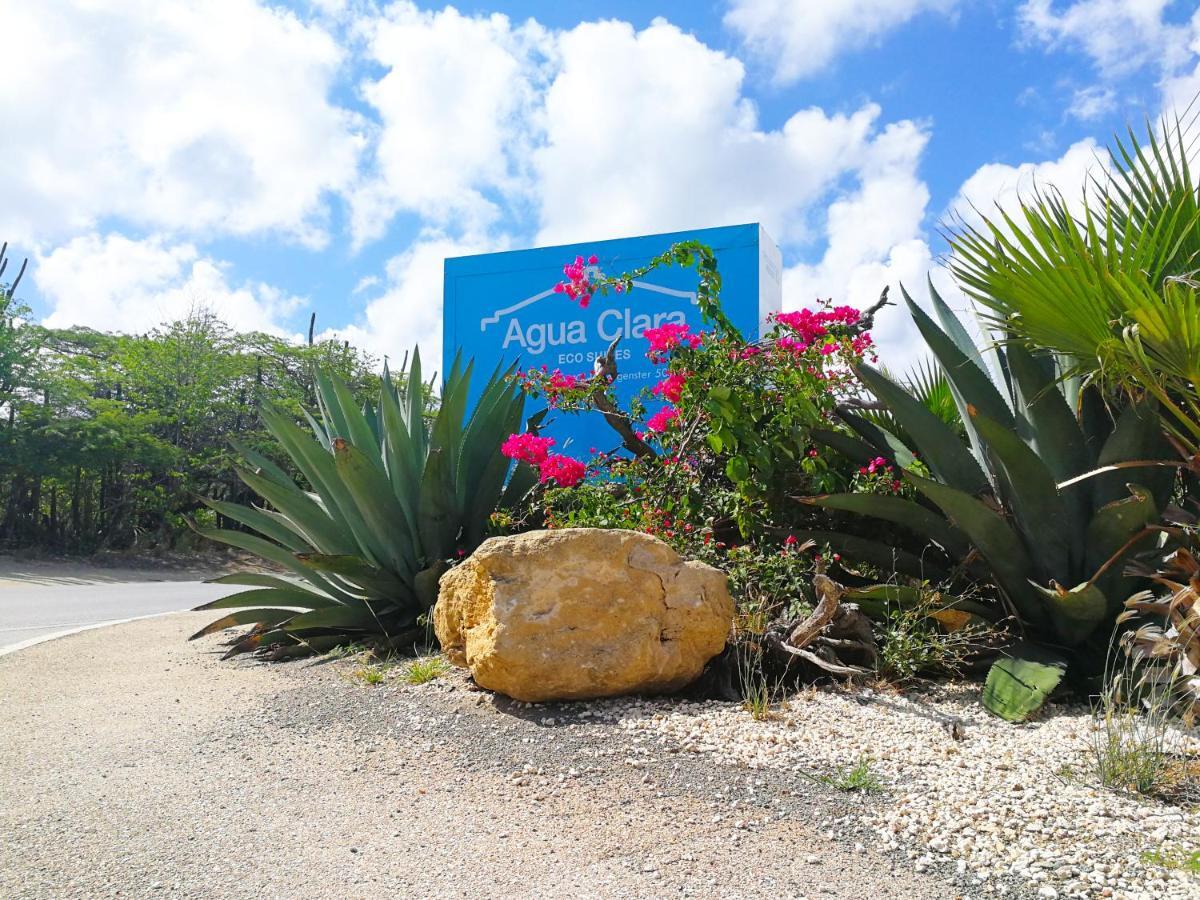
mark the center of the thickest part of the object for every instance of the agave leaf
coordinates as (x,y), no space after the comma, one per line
(426,583)
(262,466)
(886,443)
(317,467)
(1075,612)
(995,540)
(364,617)
(358,431)
(254,616)
(1018,686)
(254,579)
(261,521)
(1057,437)
(953,327)
(879,599)
(383,515)
(307,518)
(1137,435)
(492,412)
(937,444)
(275,597)
(1109,536)
(850,447)
(398,453)
(482,472)
(276,554)
(886,557)
(370,579)
(971,385)
(913,516)
(437,519)
(1055,434)
(1030,491)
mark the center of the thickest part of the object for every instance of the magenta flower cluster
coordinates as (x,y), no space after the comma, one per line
(579,285)
(535,450)
(667,337)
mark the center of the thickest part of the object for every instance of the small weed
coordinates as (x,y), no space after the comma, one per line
(346,651)
(858,777)
(758,695)
(370,674)
(426,669)
(757,700)
(1174,859)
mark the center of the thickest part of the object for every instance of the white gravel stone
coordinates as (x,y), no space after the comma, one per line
(997,802)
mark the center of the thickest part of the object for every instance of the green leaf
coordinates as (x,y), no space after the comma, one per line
(850,447)
(880,600)
(1109,533)
(253,616)
(1017,687)
(737,469)
(884,556)
(273,552)
(913,516)
(970,383)
(391,537)
(995,540)
(260,521)
(938,445)
(307,518)
(1075,612)
(272,597)
(1029,490)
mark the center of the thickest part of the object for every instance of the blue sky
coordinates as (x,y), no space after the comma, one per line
(273,159)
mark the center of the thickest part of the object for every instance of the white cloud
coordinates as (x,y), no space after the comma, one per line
(409,311)
(1091,103)
(206,117)
(112,283)
(1120,36)
(802,37)
(455,105)
(650,131)
(998,185)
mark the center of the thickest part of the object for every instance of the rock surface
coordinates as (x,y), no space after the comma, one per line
(581,612)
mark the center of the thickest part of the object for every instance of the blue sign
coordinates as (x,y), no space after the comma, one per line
(502,307)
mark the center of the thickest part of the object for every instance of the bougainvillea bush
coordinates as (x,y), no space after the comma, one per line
(714,456)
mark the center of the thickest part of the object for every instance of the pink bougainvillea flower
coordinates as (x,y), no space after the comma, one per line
(659,422)
(667,337)
(527,447)
(566,471)
(593,259)
(671,387)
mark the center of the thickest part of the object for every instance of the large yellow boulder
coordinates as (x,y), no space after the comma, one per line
(581,612)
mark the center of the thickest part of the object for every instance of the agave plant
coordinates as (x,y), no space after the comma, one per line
(391,492)
(1008,504)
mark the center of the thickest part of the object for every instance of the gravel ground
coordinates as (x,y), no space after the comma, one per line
(134,764)
(1006,805)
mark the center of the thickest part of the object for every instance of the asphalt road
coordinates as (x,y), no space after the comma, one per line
(36,612)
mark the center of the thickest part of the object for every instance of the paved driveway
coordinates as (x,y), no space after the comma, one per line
(31,612)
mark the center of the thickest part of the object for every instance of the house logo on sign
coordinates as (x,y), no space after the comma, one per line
(537,336)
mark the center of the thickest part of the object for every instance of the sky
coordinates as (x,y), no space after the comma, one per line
(268,160)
